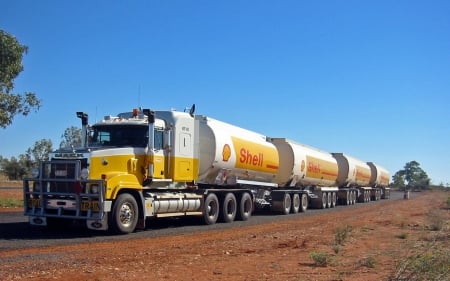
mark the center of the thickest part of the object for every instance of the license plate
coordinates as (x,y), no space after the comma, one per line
(34,202)
(90,205)
(61,173)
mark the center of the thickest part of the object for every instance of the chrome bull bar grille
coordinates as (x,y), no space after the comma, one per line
(59,192)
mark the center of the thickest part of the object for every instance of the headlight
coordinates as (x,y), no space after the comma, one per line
(35,173)
(84,174)
(94,189)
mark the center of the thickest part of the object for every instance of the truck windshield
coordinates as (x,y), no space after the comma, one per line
(119,136)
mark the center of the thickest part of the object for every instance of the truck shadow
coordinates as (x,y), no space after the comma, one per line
(25,231)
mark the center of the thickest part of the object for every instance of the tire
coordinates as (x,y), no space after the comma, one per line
(211,209)
(304,203)
(328,199)
(124,215)
(229,208)
(295,203)
(287,202)
(333,199)
(324,200)
(245,207)
(349,200)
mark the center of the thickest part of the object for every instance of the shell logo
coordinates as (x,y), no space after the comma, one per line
(226,153)
(303,165)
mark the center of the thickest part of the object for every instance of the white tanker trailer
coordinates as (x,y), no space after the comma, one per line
(150,164)
(356,176)
(379,179)
(309,169)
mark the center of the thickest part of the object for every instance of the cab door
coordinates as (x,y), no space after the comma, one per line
(158,155)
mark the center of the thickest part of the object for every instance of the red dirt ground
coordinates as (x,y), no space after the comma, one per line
(380,235)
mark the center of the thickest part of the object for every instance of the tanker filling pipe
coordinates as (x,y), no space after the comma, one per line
(84,124)
(151,140)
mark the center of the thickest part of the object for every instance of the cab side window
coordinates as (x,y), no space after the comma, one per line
(159,139)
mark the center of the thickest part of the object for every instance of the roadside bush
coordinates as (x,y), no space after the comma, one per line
(341,234)
(321,258)
(429,266)
(436,220)
(367,262)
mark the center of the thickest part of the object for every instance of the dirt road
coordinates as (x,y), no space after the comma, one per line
(373,240)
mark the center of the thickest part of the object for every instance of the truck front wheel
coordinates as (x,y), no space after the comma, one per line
(124,215)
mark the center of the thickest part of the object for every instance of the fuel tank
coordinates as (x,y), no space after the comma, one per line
(228,153)
(301,165)
(380,176)
(352,172)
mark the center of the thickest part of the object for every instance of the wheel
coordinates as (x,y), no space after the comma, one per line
(328,199)
(211,209)
(324,200)
(229,207)
(124,215)
(347,193)
(295,203)
(333,199)
(304,203)
(286,204)
(362,197)
(245,207)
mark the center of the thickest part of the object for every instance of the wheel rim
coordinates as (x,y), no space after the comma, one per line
(304,202)
(287,203)
(329,200)
(333,200)
(295,203)
(212,208)
(245,207)
(231,207)
(324,200)
(126,214)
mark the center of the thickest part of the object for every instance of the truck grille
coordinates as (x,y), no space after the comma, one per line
(63,174)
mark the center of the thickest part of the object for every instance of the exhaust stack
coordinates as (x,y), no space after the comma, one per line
(84,125)
(151,141)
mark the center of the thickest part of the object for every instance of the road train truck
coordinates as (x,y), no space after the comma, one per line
(148,164)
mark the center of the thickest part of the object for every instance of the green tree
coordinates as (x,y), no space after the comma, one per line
(13,169)
(17,169)
(411,177)
(71,137)
(39,151)
(11,52)
(398,180)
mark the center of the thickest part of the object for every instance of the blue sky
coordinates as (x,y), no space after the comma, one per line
(367,78)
